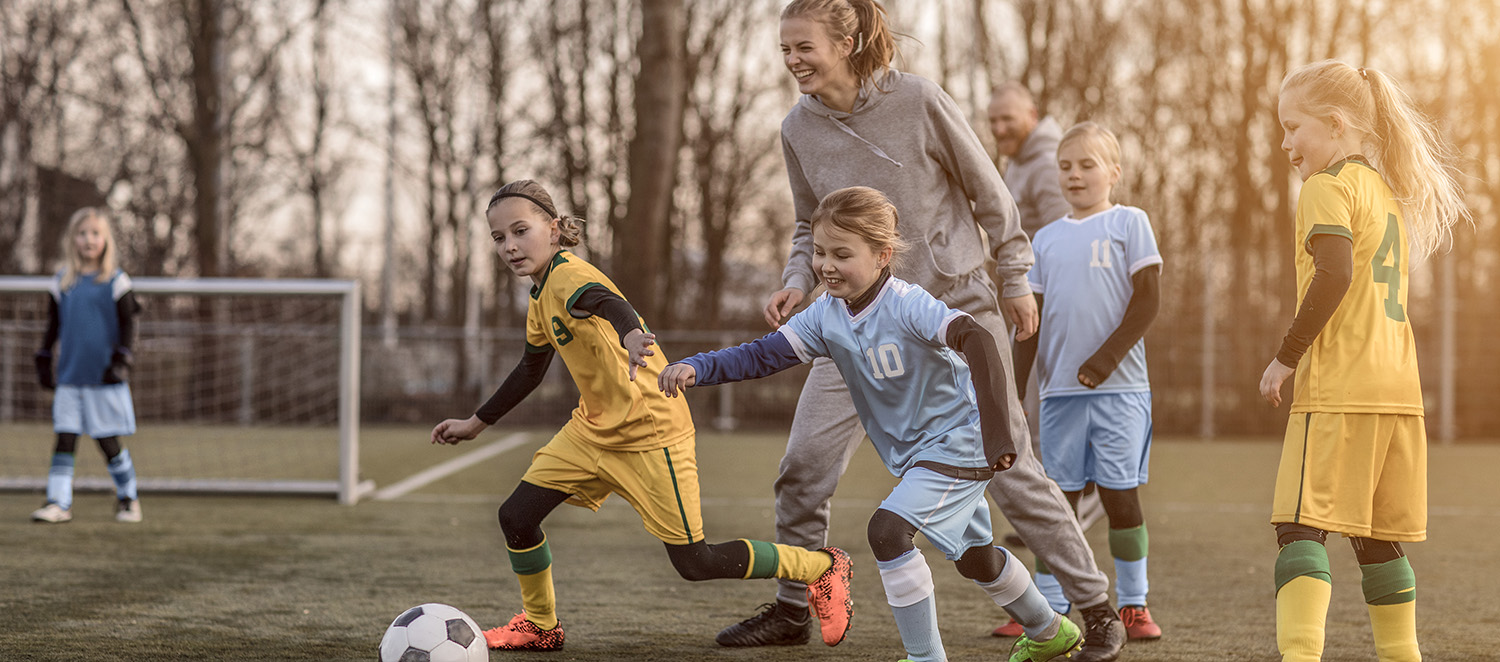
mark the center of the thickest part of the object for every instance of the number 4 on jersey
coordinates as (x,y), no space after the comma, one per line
(1390,248)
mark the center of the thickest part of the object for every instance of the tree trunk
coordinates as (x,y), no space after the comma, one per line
(653,152)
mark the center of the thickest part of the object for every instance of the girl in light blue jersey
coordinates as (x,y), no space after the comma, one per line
(91,321)
(938,420)
(1097,269)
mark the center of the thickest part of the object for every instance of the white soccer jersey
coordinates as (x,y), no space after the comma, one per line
(1083,269)
(913,393)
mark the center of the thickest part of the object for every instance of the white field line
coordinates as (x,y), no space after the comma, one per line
(450,467)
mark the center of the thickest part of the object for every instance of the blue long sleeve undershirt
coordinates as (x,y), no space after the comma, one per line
(758,358)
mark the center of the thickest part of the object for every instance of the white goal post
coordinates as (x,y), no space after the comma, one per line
(234,380)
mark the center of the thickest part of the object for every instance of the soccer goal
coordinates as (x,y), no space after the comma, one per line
(240,386)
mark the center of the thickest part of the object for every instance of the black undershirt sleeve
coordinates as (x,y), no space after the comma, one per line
(126,308)
(522,381)
(1024,353)
(614,309)
(1139,313)
(985,367)
(1333,270)
(54,326)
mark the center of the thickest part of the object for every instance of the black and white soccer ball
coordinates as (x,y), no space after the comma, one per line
(433,633)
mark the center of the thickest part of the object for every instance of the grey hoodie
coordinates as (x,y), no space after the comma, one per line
(907,138)
(1032,178)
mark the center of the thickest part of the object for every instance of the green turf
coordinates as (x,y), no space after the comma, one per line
(256,578)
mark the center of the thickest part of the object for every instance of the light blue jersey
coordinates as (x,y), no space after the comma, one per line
(1083,269)
(913,393)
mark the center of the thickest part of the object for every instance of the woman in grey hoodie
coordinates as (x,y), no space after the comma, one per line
(860,122)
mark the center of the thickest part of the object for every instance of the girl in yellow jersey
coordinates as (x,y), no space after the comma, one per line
(625,437)
(1379,191)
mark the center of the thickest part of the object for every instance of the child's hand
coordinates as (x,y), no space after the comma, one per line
(1005,462)
(638,343)
(1271,381)
(455,430)
(676,376)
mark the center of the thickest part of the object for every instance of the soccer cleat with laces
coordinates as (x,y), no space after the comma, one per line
(128,510)
(1061,646)
(830,598)
(1103,634)
(1011,629)
(52,514)
(523,635)
(777,624)
(1138,623)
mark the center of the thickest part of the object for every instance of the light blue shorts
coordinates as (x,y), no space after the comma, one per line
(951,512)
(97,411)
(1101,438)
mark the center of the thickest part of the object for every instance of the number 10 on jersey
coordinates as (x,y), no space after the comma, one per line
(885,361)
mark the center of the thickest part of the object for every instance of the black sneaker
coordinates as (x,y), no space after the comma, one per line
(1103,634)
(778,624)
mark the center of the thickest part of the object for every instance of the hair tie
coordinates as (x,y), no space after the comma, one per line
(859,45)
(551,213)
(1362,74)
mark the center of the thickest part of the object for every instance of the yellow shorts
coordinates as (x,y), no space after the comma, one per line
(661,484)
(1361,475)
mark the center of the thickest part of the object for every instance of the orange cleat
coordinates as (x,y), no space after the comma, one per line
(830,598)
(523,635)
(1138,623)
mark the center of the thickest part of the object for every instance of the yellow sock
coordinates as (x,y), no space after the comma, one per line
(1395,629)
(1301,617)
(533,568)
(538,599)
(785,562)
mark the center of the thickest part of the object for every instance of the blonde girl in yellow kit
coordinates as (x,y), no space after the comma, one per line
(1378,193)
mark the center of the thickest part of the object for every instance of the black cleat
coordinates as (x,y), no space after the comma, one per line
(777,624)
(1103,635)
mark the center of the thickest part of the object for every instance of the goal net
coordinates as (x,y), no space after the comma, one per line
(240,385)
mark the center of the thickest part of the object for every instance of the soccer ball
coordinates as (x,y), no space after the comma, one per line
(433,633)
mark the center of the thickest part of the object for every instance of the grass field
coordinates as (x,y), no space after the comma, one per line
(268,578)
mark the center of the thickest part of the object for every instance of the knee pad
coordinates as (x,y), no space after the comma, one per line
(1290,532)
(1370,550)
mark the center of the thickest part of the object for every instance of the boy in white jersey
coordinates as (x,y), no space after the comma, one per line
(1098,269)
(938,420)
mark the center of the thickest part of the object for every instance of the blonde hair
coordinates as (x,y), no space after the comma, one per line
(1403,145)
(536,194)
(73,262)
(1102,145)
(862,20)
(864,212)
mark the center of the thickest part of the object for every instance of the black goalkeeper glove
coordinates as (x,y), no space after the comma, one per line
(44,375)
(118,371)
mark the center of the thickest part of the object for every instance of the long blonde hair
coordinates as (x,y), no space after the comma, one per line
(1402,144)
(73,262)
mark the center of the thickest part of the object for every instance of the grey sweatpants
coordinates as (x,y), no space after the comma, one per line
(827,430)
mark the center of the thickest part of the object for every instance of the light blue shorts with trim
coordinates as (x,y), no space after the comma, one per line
(97,411)
(1101,438)
(951,512)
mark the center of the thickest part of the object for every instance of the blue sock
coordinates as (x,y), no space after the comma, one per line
(123,471)
(1052,590)
(908,589)
(60,480)
(1014,591)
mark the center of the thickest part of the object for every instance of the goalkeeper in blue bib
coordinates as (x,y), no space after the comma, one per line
(91,322)
(937,419)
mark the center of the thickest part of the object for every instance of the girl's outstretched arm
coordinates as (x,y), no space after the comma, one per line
(1139,313)
(522,381)
(761,357)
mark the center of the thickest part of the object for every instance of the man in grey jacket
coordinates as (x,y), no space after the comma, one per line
(1027,146)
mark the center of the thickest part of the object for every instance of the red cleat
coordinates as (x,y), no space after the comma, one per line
(1138,623)
(1011,629)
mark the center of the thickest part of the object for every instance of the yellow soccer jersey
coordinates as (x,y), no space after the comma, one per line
(613,412)
(1365,359)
